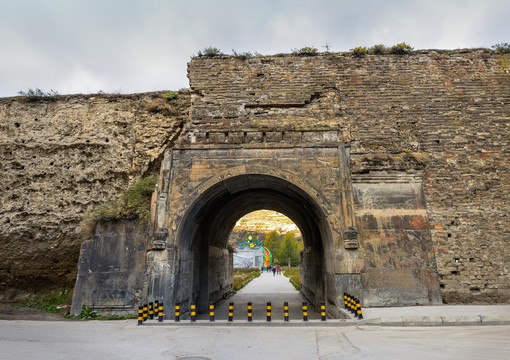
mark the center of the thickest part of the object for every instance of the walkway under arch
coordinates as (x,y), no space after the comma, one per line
(204,263)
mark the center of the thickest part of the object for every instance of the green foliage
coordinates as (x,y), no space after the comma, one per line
(378,49)
(244,55)
(38,95)
(307,50)
(293,273)
(209,51)
(288,253)
(243,276)
(135,203)
(87,313)
(359,51)
(58,302)
(273,241)
(171,95)
(501,48)
(401,49)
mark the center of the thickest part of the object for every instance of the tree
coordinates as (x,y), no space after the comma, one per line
(272,242)
(289,250)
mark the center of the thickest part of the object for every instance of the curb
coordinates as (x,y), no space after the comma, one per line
(403,321)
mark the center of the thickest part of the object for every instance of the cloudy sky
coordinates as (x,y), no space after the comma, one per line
(127,46)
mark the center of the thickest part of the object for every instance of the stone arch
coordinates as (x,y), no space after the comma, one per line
(220,201)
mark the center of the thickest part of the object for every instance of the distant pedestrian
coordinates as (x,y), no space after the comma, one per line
(274,271)
(279,270)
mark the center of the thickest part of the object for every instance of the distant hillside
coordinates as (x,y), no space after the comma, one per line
(263,222)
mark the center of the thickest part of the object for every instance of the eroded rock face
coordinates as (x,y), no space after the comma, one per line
(60,159)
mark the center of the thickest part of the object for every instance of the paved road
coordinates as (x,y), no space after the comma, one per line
(124,340)
(266,288)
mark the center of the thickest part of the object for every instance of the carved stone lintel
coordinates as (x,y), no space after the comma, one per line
(351,238)
(159,239)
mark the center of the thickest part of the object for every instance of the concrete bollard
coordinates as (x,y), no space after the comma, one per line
(231,311)
(160,312)
(140,315)
(151,311)
(145,311)
(177,312)
(249,309)
(211,312)
(305,312)
(323,311)
(193,312)
(285,311)
(268,311)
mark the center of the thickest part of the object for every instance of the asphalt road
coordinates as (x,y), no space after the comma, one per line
(125,340)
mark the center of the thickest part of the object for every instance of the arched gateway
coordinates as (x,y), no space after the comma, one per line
(204,191)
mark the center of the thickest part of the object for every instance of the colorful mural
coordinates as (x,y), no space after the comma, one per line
(248,242)
(267,257)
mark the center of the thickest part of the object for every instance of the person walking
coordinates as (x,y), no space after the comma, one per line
(274,271)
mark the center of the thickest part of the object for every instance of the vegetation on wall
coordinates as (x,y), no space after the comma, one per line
(33,95)
(134,204)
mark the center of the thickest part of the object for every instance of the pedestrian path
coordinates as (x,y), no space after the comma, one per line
(266,288)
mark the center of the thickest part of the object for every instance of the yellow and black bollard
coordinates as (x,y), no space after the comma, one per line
(140,315)
(211,312)
(156,308)
(268,311)
(345,302)
(177,312)
(145,311)
(151,311)
(359,313)
(305,312)
(250,311)
(193,312)
(231,311)
(285,311)
(160,312)
(323,311)
(352,306)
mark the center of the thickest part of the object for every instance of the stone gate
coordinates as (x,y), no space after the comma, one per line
(380,161)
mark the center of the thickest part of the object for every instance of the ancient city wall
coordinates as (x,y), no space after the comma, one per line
(439,118)
(60,158)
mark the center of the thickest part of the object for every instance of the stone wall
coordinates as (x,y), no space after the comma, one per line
(444,114)
(59,159)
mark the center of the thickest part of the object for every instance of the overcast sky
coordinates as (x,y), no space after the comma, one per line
(127,46)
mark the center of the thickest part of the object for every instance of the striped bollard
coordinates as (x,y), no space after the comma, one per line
(353,305)
(231,312)
(345,301)
(193,312)
(323,311)
(140,315)
(359,313)
(211,312)
(305,312)
(177,312)
(160,312)
(156,308)
(151,311)
(285,311)
(250,311)
(268,311)
(145,311)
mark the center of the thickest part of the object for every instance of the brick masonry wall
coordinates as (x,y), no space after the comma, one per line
(446,114)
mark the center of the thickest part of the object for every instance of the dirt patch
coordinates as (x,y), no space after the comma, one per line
(9,312)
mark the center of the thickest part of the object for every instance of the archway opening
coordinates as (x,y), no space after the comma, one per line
(204,262)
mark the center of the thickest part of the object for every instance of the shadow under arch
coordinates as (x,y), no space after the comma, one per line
(204,265)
